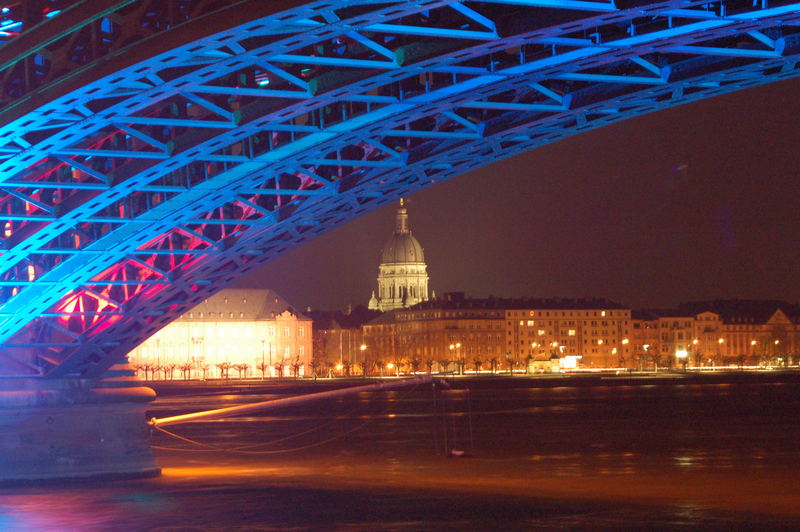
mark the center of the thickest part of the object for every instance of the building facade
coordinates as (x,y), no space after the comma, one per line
(402,274)
(456,333)
(451,333)
(587,333)
(236,332)
(718,333)
(495,334)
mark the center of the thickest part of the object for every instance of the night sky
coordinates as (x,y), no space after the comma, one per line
(696,202)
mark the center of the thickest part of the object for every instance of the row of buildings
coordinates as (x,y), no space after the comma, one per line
(455,332)
(406,329)
(259,330)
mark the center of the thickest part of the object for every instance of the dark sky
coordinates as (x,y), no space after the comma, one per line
(696,202)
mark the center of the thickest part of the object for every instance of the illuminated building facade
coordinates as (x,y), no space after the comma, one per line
(338,338)
(451,333)
(403,275)
(588,333)
(236,332)
(498,334)
(718,333)
(456,332)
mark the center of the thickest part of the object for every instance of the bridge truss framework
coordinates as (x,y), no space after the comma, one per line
(152,151)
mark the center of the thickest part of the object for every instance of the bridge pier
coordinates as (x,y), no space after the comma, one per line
(75,428)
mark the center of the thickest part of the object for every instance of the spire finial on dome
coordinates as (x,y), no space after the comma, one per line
(401,220)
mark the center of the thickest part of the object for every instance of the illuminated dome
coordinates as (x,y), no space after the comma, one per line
(403,276)
(402,247)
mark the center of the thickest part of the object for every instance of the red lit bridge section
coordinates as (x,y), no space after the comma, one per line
(152,151)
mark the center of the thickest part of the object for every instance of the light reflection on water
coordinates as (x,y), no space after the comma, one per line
(575,457)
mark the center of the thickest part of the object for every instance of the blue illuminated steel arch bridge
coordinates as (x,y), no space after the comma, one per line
(151,151)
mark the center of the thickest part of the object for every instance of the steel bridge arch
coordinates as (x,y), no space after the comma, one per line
(168,161)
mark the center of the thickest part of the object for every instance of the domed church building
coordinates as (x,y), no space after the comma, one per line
(403,276)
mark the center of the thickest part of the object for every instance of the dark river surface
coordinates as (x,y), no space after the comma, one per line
(562,454)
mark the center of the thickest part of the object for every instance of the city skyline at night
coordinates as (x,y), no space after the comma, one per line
(695,202)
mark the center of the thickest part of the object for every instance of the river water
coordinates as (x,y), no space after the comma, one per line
(558,454)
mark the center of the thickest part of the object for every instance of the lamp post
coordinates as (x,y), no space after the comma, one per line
(263,361)
(363,348)
(271,348)
(457,348)
(197,341)
(682,355)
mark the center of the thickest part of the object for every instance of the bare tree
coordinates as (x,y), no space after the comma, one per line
(170,369)
(186,368)
(224,369)
(241,369)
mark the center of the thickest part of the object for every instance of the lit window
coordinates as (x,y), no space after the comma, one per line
(301,350)
(531,323)
(541,332)
(571,332)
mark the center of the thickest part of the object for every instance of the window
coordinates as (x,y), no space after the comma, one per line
(287,331)
(287,351)
(301,332)
(531,323)
(271,331)
(301,350)
(541,332)
(571,332)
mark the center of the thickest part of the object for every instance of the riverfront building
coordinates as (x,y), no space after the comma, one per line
(236,332)
(497,334)
(456,333)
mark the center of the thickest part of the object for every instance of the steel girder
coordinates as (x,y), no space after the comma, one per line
(172,162)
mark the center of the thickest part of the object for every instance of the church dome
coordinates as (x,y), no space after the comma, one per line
(402,275)
(402,247)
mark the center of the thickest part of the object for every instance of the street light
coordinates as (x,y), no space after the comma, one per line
(363,348)
(457,347)
(682,356)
